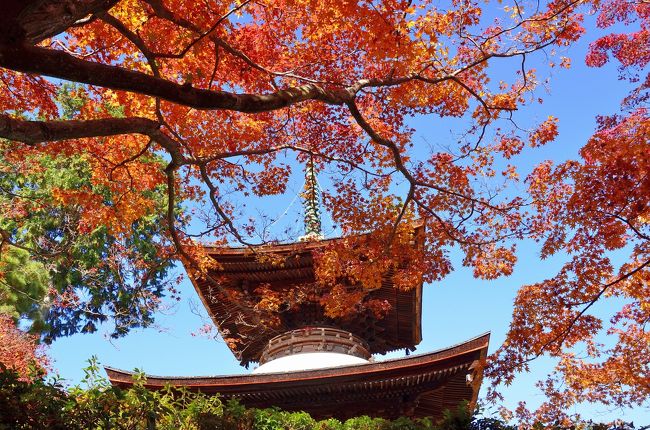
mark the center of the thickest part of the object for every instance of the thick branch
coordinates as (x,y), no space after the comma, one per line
(34,132)
(61,65)
(35,20)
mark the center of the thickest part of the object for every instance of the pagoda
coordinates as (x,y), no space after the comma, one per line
(319,364)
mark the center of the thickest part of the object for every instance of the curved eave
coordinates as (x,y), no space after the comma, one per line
(425,383)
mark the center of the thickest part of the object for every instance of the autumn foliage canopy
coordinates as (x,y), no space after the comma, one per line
(175,119)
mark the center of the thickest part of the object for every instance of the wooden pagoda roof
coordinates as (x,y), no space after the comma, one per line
(241,270)
(416,386)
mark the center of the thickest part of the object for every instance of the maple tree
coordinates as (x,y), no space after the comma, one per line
(590,208)
(19,351)
(214,102)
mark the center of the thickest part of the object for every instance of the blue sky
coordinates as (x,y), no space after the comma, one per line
(455,309)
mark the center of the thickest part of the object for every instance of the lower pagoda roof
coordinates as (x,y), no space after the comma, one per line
(422,385)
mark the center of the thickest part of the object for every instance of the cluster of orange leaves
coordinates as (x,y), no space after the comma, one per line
(20,351)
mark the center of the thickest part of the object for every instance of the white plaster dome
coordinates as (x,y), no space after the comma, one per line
(312,348)
(309,361)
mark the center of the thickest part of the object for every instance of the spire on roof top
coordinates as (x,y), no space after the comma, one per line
(311,204)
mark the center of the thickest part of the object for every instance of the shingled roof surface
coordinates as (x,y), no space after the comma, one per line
(417,386)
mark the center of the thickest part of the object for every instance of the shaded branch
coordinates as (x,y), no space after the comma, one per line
(213,194)
(61,65)
(35,132)
(32,21)
(170,216)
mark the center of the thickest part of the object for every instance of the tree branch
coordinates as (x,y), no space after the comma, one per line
(35,132)
(58,64)
(32,21)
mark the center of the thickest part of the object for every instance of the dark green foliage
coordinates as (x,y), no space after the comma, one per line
(63,270)
(65,280)
(31,405)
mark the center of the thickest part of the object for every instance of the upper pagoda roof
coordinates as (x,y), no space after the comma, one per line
(242,270)
(417,386)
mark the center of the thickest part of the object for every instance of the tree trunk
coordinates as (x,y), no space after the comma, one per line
(31,21)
